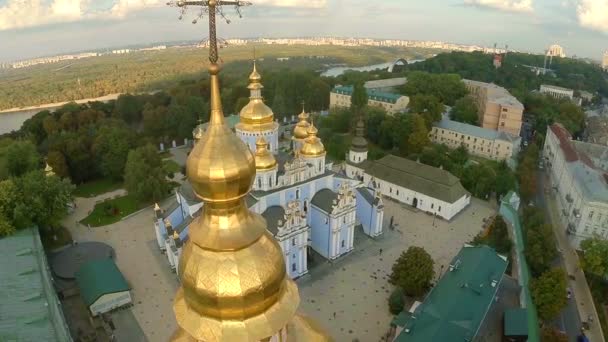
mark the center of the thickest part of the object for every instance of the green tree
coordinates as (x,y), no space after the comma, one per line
(144,175)
(359,97)
(128,108)
(111,147)
(595,256)
(21,157)
(396,301)
(465,110)
(428,106)
(526,172)
(499,236)
(413,271)
(6,227)
(42,200)
(419,138)
(549,293)
(9,196)
(56,160)
(240,103)
(540,248)
(551,334)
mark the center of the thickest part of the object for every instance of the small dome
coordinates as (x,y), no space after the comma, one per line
(312,147)
(256,112)
(301,129)
(255,76)
(264,160)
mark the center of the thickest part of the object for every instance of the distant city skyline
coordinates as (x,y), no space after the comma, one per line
(36,28)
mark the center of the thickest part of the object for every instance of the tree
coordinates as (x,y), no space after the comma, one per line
(550,334)
(112,147)
(549,293)
(465,110)
(428,106)
(21,157)
(499,236)
(56,160)
(9,197)
(396,301)
(447,88)
(6,227)
(42,201)
(540,248)
(240,103)
(413,271)
(128,108)
(144,174)
(359,97)
(419,138)
(595,256)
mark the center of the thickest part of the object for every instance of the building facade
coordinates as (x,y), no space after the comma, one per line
(497,108)
(482,142)
(340,97)
(557,92)
(556,51)
(306,204)
(579,180)
(605,61)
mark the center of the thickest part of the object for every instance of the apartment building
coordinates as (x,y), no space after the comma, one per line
(497,108)
(340,97)
(482,142)
(580,183)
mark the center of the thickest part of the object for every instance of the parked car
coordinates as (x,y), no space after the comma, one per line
(568,293)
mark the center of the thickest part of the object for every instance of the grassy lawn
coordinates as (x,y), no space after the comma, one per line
(111,211)
(96,187)
(171,166)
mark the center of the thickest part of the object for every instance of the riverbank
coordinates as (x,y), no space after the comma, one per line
(56,105)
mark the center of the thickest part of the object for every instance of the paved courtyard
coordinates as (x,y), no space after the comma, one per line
(356,289)
(139,259)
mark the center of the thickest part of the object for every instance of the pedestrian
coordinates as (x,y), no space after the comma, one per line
(380,251)
(334,314)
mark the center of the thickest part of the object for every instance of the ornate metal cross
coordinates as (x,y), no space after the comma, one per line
(210,7)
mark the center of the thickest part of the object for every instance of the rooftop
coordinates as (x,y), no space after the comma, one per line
(273,215)
(29,308)
(324,200)
(548,86)
(386,83)
(422,178)
(497,93)
(475,131)
(457,305)
(100,277)
(371,94)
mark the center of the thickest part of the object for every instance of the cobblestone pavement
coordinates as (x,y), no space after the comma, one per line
(141,262)
(355,288)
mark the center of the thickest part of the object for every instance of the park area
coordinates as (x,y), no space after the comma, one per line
(111,211)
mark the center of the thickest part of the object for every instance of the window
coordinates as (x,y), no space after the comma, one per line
(439,208)
(297,192)
(591,214)
(293,267)
(432,205)
(326,220)
(259,182)
(343,244)
(344,219)
(293,242)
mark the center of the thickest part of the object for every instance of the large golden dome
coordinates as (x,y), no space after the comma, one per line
(264,160)
(301,130)
(312,147)
(256,114)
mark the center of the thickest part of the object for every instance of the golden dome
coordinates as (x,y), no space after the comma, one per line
(256,114)
(264,160)
(234,285)
(301,129)
(312,147)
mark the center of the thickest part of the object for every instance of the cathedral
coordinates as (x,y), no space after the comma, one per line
(307,206)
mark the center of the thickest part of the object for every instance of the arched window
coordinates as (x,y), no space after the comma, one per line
(297,193)
(259,182)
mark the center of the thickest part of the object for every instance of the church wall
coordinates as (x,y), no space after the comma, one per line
(346,222)
(365,214)
(319,222)
(294,249)
(158,230)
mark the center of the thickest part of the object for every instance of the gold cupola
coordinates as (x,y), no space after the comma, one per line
(264,160)
(256,115)
(301,130)
(312,147)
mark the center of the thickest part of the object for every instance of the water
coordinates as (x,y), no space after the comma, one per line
(12,121)
(337,71)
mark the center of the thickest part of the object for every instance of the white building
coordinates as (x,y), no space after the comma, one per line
(556,51)
(421,186)
(483,142)
(557,92)
(340,97)
(579,179)
(102,286)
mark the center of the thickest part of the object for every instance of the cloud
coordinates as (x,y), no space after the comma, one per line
(17,14)
(503,5)
(593,14)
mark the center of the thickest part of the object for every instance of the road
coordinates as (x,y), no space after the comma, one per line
(580,305)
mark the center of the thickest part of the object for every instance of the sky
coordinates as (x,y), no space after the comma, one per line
(31,28)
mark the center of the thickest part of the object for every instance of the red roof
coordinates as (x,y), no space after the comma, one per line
(565,143)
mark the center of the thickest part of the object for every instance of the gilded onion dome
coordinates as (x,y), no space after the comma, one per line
(234,285)
(264,160)
(256,115)
(312,147)
(359,143)
(301,130)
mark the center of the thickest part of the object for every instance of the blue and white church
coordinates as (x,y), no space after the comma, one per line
(307,206)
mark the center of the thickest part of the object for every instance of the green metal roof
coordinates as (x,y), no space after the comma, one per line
(371,94)
(459,302)
(29,307)
(516,322)
(99,277)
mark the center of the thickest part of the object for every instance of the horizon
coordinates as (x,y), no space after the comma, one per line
(55,27)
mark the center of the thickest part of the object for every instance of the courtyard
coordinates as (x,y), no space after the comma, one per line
(353,288)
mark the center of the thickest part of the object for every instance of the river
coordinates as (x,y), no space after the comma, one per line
(337,71)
